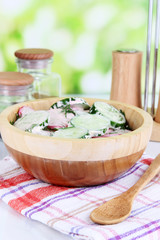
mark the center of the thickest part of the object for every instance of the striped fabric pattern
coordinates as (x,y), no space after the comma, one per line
(67,209)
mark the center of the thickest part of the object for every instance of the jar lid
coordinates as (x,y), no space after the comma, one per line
(33,53)
(15,79)
(127,50)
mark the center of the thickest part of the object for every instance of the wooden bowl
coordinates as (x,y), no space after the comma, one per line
(76,162)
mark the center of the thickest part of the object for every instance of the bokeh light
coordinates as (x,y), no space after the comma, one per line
(82,34)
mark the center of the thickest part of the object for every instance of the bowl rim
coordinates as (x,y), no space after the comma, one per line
(109,147)
(4,122)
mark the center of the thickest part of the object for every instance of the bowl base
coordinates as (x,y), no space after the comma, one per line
(74,173)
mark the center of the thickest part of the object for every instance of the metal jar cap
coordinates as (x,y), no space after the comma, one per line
(15,79)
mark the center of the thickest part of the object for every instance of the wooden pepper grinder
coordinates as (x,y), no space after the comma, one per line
(156,124)
(126,76)
(157,116)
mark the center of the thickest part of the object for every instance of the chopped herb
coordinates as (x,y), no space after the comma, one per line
(67,109)
(12,122)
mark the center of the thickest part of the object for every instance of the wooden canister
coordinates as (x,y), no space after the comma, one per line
(126,76)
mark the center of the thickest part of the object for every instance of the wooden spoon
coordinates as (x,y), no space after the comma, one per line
(119,208)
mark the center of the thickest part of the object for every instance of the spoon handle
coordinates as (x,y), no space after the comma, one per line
(151,172)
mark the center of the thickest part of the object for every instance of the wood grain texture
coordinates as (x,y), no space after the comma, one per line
(34,53)
(155,136)
(15,79)
(126,78)
(157,116)
(156,124)
(98,155)
(74,173)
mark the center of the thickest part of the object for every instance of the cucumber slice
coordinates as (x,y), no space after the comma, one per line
(70,132)
(71,101)
(91,122)
(116,118)
(36,118)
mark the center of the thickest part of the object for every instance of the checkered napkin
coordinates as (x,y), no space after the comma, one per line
(67,209)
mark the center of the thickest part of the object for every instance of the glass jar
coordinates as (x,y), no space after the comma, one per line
(37,62)
(15,87)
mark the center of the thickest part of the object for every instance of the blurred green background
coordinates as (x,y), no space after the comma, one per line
(82,34)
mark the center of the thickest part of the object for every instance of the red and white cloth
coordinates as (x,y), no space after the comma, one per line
(67,209)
